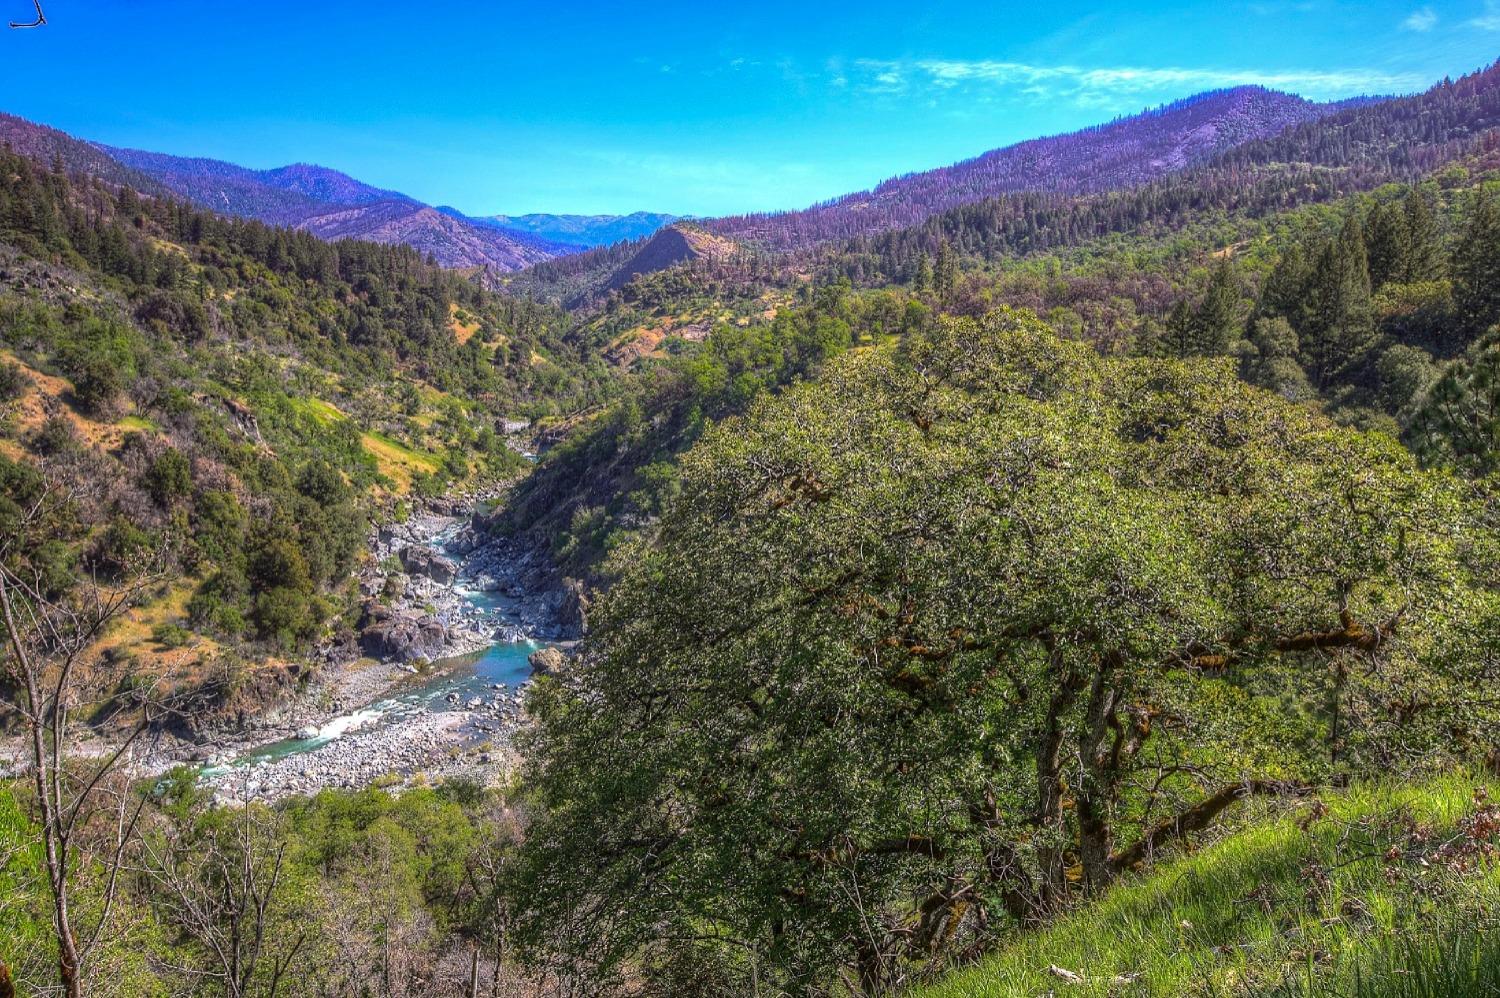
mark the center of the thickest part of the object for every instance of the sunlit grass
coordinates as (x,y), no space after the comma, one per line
(1276,909)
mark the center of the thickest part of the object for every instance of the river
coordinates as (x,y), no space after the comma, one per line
(454,717)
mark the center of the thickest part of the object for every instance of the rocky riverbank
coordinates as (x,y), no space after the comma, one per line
(423,610)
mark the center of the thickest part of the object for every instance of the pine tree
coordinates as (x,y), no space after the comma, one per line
(1389,245)
(1178,336)
(1341,320)
(1217,318)
(923,280)
(945,274)
(1424,244)
(1285,290)
(1476,268)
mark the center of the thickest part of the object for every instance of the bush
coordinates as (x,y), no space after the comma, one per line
(169,478)
(13,382)
(119,550)
(98,387)
(170,636)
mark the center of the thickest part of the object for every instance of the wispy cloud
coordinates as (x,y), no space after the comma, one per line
(1423,20)
(1101,85)
(1490,19)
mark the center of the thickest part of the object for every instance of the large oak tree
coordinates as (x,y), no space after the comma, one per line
(967,629)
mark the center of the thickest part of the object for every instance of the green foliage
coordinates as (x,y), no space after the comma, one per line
(607,477)
(1340,326)
(1476,269)
(169,478)
(13,381)
(1459,421)
(961,616)
(1347,896)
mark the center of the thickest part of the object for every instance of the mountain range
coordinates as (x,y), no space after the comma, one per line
(332,205)
(1123,153)
(583,230)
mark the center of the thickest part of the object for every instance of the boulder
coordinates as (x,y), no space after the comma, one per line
(342,649)
(547,661)
(463,543)
(402,637)
(418,560)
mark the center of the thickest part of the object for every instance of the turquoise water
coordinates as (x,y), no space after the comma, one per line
(475,675)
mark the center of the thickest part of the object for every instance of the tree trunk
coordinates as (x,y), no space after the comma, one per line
(1100,778)
(1052,885)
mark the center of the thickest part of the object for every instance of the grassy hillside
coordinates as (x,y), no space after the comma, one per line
(1376,891)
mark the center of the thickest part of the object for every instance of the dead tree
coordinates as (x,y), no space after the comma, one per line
(86,811)
(218,885)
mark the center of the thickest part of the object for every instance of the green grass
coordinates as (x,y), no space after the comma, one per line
(1282,909)
(324,413)
(396,461)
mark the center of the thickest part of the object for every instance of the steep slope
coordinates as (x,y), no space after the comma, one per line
(281,387)
(1359,147)
(1312,873)
(1120,154)
(585,230)
(334,205)
(450,241)
(223,187)
(671,246)
(48,146)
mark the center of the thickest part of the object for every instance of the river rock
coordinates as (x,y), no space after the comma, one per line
(547,661)
(418,560)
(403,637)
(463,543)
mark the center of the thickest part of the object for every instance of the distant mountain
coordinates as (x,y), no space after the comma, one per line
(452,242)
(334,205)
(1123,153)
(585,230)
(48,146)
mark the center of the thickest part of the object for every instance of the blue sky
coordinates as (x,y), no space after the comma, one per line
(700,108)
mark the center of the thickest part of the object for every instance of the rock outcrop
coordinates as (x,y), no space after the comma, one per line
(403,637)
(420,560)
(573,609)
(547,661)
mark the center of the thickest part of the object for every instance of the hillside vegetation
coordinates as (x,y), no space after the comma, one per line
(238,401)
(1383,891)
(1083,579)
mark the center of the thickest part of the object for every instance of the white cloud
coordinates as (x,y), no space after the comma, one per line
(1097,86)
(1490,19)
(1421,20)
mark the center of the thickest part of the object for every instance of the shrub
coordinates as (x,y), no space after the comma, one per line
(13,382)
(169,478)
(170,636)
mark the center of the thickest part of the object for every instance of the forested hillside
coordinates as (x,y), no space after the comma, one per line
(1120,154)
(229,403)
(1379,296)
(1074,571)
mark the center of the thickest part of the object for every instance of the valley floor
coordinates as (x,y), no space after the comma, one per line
(424,711)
